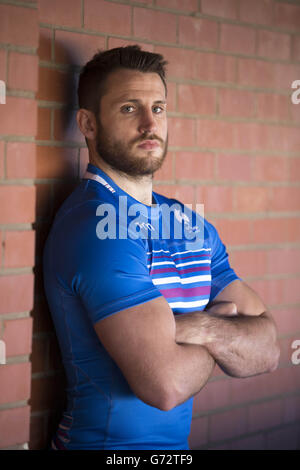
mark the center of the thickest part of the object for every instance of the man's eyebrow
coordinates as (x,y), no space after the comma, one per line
(132,100)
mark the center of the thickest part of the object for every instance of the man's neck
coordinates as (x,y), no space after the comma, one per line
(140,188)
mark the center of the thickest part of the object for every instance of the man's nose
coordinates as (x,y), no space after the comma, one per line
(147,122)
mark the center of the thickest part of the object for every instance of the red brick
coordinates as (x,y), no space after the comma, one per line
(271,291)
(283,439)
(184,193)
(291,291)
(287,16)
(44,124)
(215,394)
(284,260)
(286,199)
(56,162)
(228,424)
(65,126)
(12,117)
(294,174)
(60,13)
(45,44)
(19,249)
(291,409)
(234,167)
(215,67)
(234,232)
(47,392)
(194,99)
(256,442)
(274,45)
(257,73)
(181,62)
(2,159)
(223,8)
(252,199)
(17,335)
(181,132)
(287,321)
(264,415)
(20,160)
(3,65)
(194,165)
(171,87)
(15,382)
(237,39)
(118,42)
(22,71)
(54,85)
(199,432)
(43,201)
(236,103)
(145,22)
(250,262)
(184,5)
(15,421)
(40,347)
(19,204)
(256,11)
(295,111)
(215,134)
(198,32)
(19,26)
(76,48)
(215,198)
(16,293)
(296,48)
(107,17)
(284,75)
(275,107)
(276,230)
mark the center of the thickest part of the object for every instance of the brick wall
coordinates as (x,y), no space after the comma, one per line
(18,121)
(234,145)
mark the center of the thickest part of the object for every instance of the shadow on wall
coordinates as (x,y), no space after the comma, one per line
(58,171)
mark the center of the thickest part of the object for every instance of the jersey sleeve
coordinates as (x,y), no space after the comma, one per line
(108,275)
(221,272)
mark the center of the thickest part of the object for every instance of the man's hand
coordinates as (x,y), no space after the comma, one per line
(223,308)
(242,344)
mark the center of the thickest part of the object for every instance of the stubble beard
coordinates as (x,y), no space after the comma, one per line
(123,160)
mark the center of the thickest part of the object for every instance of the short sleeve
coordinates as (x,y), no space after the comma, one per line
(108,275)
(221,272)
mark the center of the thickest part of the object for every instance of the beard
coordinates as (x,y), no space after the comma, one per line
(122,159)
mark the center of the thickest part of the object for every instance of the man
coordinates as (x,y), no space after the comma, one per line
(142,316)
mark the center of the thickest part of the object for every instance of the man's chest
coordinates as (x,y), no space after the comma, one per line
(183,276)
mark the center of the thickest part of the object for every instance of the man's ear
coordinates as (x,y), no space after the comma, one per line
(86,121)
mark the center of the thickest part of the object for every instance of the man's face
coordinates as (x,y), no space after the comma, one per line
(132,123)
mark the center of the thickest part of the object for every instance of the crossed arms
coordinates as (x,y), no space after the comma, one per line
(166,359)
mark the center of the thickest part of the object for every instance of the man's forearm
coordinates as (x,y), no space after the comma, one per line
(241,345)
(193,367)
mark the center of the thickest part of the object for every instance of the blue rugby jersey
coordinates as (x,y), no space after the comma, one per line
(107,252)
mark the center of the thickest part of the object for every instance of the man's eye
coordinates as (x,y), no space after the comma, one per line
(158,109)
(127,109)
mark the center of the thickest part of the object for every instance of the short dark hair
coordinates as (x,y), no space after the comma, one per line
(93,75)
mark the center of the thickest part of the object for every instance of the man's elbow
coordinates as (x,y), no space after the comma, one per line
(165,397)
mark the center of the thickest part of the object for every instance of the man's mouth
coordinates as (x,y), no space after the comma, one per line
(149,144)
